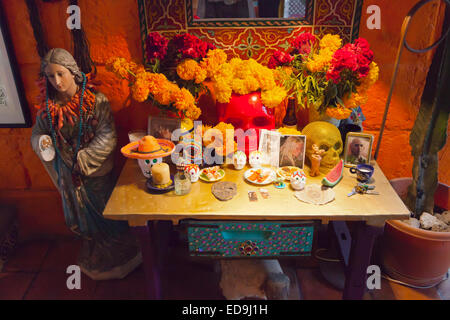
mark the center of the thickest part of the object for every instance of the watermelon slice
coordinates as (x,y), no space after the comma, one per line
(335,175)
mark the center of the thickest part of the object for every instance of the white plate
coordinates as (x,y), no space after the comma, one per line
(283,174)
(204,178)
(264,171)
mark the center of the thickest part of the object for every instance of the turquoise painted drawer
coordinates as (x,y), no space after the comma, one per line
(250,239)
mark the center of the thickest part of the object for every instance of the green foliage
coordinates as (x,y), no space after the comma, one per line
(429,133)
(312,89)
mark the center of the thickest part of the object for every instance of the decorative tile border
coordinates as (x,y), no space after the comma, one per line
(250,39)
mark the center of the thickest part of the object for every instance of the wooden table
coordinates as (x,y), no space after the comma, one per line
(131,202)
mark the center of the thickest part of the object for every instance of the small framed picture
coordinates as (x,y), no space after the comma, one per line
(162,128)
(358,148)
(292,151)
(269,146)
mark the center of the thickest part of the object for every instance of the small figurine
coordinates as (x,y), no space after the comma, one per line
(239,160)
(255,159)
(315,158)
(279,183)
(298,180)
(193,171)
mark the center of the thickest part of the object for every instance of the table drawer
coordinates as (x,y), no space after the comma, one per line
(250,239)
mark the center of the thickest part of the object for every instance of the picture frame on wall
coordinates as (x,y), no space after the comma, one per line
(358,149)
(14,109)
(292,151)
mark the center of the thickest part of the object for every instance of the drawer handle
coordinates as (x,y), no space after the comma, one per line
(248,248)
(246,235)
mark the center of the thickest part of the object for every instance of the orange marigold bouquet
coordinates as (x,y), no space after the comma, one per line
(155,87)
(179,59)
(324,74)
(242,77)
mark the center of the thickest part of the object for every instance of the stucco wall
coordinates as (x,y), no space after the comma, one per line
(112,28)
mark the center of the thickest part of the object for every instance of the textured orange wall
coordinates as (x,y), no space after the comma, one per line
(112,28)
(395,153)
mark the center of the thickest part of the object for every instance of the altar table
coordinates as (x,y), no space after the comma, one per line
(130,201)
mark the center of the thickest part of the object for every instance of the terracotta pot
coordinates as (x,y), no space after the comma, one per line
(416,256)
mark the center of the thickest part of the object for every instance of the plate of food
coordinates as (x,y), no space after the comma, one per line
(212,174)
(286,172)
(259,175)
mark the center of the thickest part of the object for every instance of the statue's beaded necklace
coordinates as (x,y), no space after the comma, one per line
(80,123)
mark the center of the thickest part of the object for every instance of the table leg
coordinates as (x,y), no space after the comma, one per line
(150,261)
(360,254)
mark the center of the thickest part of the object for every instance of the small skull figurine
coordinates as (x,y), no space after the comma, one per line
(193,171)
(255,159)
(298,180)
(147,164)
(239,160)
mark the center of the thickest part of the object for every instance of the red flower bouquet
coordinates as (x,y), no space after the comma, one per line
(326,75)
(279,58)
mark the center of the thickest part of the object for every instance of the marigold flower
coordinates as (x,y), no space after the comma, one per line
(331,42)
(338,112)
(272,98)
(187,69)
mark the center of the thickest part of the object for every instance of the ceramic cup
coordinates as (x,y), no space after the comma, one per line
(363,172)
(193,171)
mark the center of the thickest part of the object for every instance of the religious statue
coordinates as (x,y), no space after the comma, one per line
(75,137)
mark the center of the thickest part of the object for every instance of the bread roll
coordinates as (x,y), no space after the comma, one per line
(160,173)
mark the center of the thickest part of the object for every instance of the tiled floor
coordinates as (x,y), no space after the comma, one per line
(38,271)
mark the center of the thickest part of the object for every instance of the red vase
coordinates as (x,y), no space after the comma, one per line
(247,112)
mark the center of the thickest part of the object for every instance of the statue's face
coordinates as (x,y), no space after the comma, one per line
(60,77)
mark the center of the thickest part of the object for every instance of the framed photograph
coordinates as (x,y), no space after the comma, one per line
(292,151)
(358,148)
(269,146)
(162,128)
(14,110)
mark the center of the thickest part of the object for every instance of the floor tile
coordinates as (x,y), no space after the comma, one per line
(384,293)
(13,285)
(52,285)
(314,287)
(61,254)
(402,292)
(444,289)
(132,287)
(27,257)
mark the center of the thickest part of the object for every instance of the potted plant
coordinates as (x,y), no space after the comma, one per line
(410,254)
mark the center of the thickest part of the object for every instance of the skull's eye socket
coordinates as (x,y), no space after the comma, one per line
(155,160)
(337,146)
(324,147)
(147,161)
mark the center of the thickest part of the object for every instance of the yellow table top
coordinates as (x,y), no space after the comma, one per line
(130,201)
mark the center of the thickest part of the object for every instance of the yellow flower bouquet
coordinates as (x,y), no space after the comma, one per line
(241,77)
(327,75)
